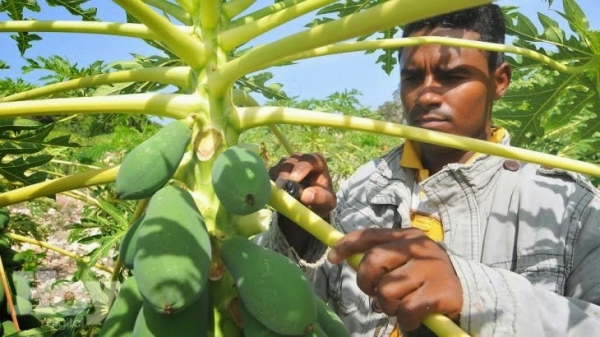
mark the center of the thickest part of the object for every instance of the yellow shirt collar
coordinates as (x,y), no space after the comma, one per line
(411,156)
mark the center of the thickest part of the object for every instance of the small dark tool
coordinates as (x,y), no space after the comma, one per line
(293,188)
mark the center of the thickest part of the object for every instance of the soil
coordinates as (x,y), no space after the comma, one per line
(53,289)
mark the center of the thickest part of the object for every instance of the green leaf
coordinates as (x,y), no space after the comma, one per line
(3,65)
(14,170)
(552,31)
(576,17)
(24,41)
(44,331)
(258,83)
(29,139)
(74,7)
(14,8)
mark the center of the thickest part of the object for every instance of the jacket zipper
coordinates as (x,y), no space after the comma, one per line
(380,324)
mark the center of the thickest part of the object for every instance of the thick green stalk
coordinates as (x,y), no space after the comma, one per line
(348,47)
(237,36)
(188,48)
(86,27)
(51,187)
(287,205)
(163,105)
(233,8)
(253,117)
(383,16)
(171,9)
(209,14)
(179,76)
(244,99)
(261,13)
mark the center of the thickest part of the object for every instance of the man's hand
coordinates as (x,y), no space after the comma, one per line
(311,171)
(410,275)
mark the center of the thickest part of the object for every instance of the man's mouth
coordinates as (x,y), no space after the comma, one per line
(429,122)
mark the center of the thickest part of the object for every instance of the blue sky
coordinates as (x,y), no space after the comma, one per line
(313,78)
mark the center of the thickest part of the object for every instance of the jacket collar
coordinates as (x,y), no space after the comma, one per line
(387,182)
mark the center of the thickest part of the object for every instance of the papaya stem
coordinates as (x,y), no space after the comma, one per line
(172,9)
(282,139)
(50,187)
(252,117)
(185,46)
(175,106)
(233,8)
(179,76)
(237,36)
(382,16)
(348,47)
(61,251)
(261,13)
(85,27)
(287,205)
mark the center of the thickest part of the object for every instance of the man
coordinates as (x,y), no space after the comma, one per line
(502,248)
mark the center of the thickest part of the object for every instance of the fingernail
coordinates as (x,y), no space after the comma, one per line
(308,197)
(332,256)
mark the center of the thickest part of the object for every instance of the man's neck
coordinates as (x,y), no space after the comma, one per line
(434,161)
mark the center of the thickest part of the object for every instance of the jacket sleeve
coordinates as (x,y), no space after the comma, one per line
(498,302)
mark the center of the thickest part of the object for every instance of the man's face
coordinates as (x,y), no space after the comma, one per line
(448,89)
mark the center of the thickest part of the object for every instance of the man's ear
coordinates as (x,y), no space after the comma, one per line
(502,77)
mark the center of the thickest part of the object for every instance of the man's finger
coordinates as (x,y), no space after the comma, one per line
(360,241)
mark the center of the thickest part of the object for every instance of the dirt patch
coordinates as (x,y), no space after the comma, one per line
(53,288)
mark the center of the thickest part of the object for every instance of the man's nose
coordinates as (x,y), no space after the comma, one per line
(430,93)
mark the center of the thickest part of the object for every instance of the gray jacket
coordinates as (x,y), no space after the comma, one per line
(523,239)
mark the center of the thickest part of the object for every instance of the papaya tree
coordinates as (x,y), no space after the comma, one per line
(193,181)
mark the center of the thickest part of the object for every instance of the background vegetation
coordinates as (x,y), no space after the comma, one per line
(546,110)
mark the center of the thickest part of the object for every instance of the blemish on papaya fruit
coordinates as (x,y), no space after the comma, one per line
(249,199)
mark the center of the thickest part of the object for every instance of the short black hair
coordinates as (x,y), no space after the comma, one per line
(487,21)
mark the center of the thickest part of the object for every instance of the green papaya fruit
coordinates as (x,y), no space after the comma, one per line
(317,331)
(173,251)
(192,321)
(252,327)
(124,311)
(241,181)
(4,217)
(151,164)
(331,323)
(129,242)
(274,290)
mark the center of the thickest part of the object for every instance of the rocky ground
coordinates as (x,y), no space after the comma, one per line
(54,290)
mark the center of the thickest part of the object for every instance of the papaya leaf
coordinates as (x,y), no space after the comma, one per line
(551,30)
(16,139)
(24,41)
(258,83)
(15,169)
(74,7)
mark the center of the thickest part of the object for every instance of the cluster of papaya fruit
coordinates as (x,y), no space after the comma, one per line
(18,284)
(172,257)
